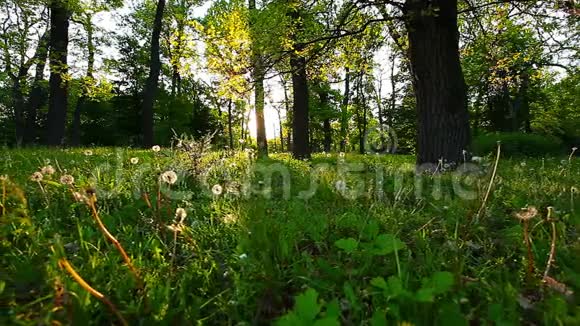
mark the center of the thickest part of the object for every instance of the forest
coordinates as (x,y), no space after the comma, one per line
(289,162)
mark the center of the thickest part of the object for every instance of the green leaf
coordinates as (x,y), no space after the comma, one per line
(327,321)
(379,318)
(379,282)
(386,244)
(307,306)
(333,309)
(442,282)
(349,293)
(290,319)
(395,286)
(349,245)
(425,295)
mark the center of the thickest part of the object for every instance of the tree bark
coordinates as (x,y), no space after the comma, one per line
(344,111)
(258,76)
(85,82)
(36,96)
(230,127)
(440,90)
(153,80)
(18,103)
(300,128)
(58,98)
(300,119)
(281,131)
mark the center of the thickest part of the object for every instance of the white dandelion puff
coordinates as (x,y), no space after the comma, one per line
(88,152)
(67,179)
(47,170)
(169,177)
(134,160)
(217,189)
(36,177)
(180,214)
(156,148)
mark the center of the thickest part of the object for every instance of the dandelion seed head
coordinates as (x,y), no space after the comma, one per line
(37,177)
(341,154)
(156,148)
(169,177)
(217,189)
(47,170)
(180,214)
(67,179)
(88,152)
(527,213)
(134,160)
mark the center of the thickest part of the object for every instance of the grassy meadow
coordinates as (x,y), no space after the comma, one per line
(175,237)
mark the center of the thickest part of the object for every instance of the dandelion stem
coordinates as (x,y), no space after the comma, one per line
(552,256)
(529,249)
(108,235)
(146,198)
(482,208)
(64,264)
(3,205)
(571,155)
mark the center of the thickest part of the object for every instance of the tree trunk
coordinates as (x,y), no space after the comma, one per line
(58,98)
(300,131)
(288,114)
(18,104)
(440,90)
(300,128)
(281,131)
(344,111)
(176,75)
(258,76)
(230,128)
(327,135)
(326,127)
(153,80)
(36,96)
(85,82)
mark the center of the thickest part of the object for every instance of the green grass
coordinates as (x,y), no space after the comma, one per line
(407,249)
